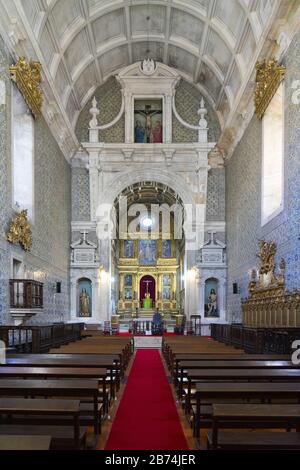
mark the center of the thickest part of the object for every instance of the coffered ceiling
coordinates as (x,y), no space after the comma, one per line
(212,43)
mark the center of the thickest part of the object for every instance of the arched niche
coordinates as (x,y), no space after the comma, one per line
(84,297)
(212,298)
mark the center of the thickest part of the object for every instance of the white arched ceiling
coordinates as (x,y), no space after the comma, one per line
(83,42)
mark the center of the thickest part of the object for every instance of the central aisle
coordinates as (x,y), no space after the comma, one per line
(147,418)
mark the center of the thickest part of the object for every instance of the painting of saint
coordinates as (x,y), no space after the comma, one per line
(147,252)
(156,137)
(167,280)
(139,132)
(166,249)
(148,122)
(166,293)
(128,293)
(211,299)
(128,280)
(128,249)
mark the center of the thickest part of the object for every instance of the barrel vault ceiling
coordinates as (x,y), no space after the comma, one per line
(213,43)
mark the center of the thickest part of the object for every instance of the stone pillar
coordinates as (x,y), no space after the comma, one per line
(94,182)
(128,101)
(190,284)
(222,302)
(73,299)
(167,138)
(201,292)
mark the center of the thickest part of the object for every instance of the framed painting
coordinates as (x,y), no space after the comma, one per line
(166,293)
(128,280)
(166,249)
(166,280)
(128,293)
(147,252)
(148,119)
(128,249)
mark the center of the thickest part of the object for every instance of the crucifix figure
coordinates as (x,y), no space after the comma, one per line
(147,295)
(153,135)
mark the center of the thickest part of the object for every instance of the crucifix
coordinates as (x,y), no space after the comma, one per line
(148,113)
(84,234)
(147,286)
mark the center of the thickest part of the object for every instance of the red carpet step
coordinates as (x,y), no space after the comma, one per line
(147,417)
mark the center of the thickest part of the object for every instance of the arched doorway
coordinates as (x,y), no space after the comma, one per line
(147,291)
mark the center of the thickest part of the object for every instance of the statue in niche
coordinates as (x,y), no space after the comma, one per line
(84,304)
(212,304)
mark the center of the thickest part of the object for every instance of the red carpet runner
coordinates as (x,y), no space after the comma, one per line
(147,417)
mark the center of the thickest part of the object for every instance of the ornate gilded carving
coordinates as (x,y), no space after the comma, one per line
(27,77)
(269,304)
(20,231)
(269,75)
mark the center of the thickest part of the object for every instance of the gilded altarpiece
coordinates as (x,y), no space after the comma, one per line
(269,305)
(161,265)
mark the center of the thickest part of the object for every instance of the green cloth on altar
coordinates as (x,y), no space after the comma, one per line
(147,303)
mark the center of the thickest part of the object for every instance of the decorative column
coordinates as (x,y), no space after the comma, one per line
(128,100)
(94,182)
(168,119)
(93,130)
(73,299)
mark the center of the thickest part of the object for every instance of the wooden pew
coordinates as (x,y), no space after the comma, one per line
(229,364)
(55,388)
(276,416)
(239,375)
(110,362)
(60,373)
(236,391)
(35,407)
(25,442)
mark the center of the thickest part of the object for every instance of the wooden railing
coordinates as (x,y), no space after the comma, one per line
(39,339)
(25,293)
(256,340)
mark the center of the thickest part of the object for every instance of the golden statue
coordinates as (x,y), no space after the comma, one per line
(267,252)
(20,231)
(84,304)
(28,78)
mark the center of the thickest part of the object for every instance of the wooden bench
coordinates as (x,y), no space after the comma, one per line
(59,373)
(226,365)
(33,407)
(80,389)
(25,442)
(61,436)
(202,358)
(237,391)
(239,375)
(256,441)
(110,362)
(276,416)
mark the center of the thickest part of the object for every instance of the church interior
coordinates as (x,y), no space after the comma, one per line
(150,225)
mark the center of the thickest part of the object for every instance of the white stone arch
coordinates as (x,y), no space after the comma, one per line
(166,177)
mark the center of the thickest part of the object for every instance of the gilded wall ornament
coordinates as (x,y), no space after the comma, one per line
(20,231)
(269,75)
(27,77)
(269,305)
